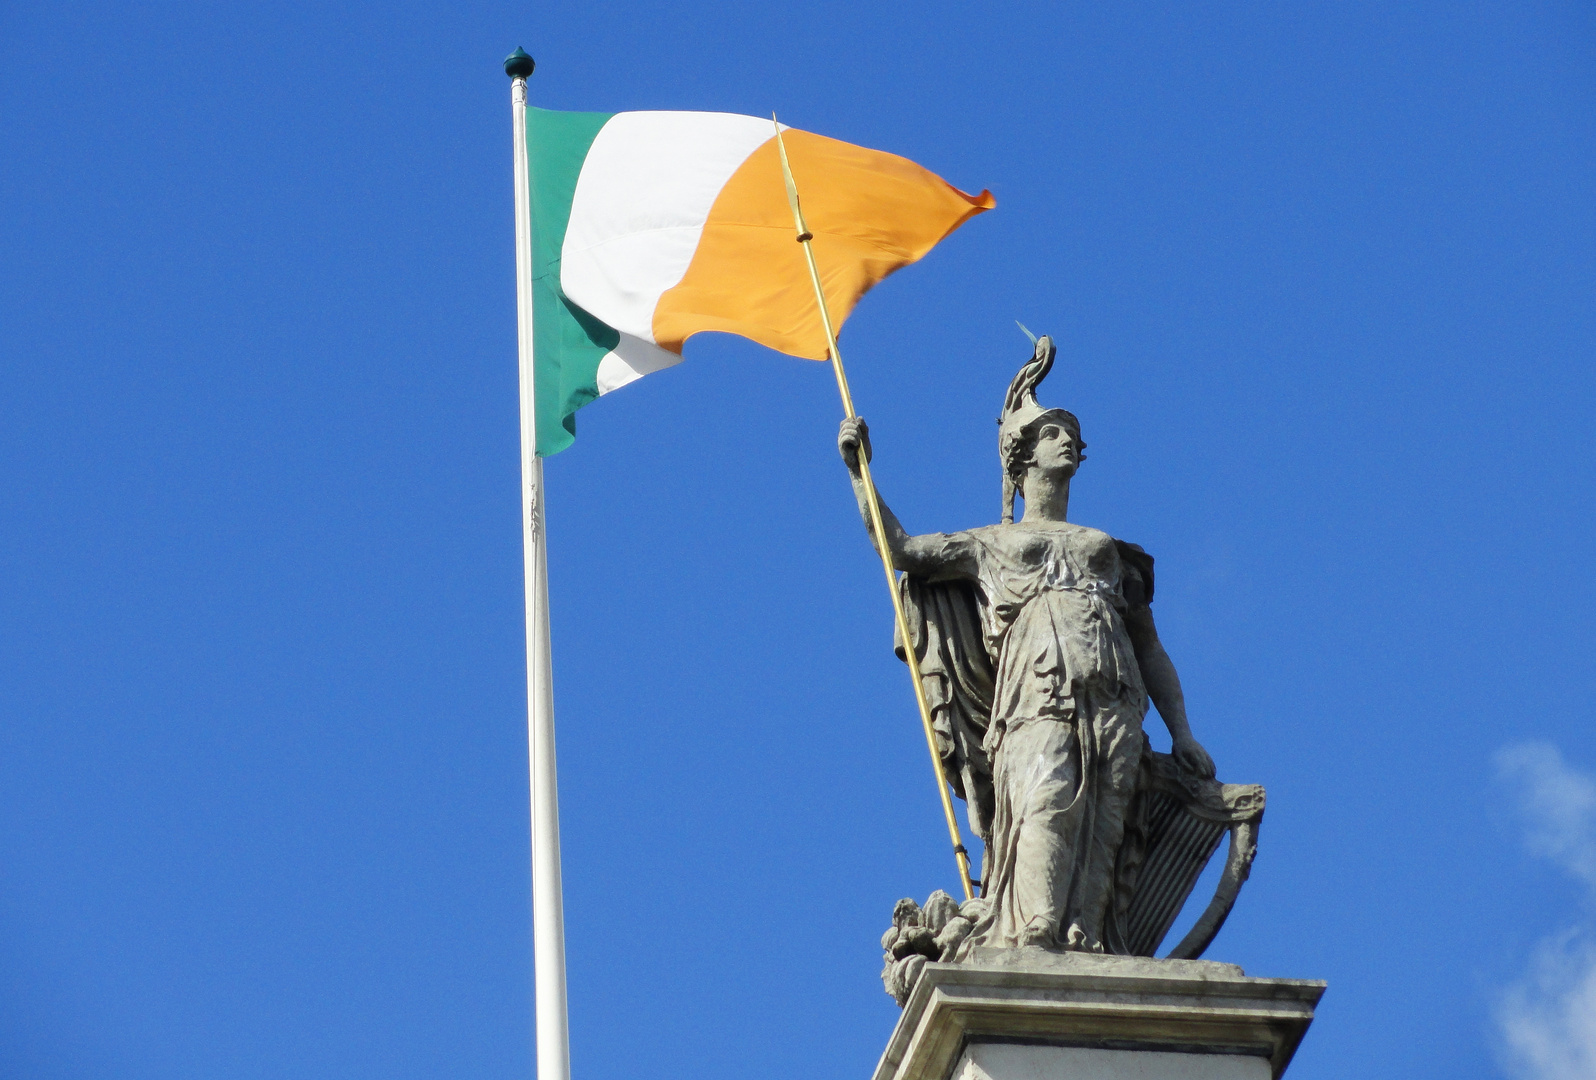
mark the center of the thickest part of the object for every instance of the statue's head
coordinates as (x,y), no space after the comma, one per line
(1031,437)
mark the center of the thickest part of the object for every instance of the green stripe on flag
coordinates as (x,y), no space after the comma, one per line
(567,342)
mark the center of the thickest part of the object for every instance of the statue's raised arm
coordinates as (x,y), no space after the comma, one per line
(935,557)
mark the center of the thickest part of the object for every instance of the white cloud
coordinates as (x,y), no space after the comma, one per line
(1547,1020)
(1558,805)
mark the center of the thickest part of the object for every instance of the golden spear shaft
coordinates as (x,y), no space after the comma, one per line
(873,501)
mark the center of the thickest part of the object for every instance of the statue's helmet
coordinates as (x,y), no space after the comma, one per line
(1021,414)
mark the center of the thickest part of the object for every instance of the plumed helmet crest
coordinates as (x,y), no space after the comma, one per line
(1021,411)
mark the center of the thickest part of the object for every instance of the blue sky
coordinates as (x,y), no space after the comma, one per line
(1321,276)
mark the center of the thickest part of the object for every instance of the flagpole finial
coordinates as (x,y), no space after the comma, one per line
(518,65)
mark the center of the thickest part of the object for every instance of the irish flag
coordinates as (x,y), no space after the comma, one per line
(649,227)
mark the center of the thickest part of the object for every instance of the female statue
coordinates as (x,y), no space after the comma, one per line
(1040,654)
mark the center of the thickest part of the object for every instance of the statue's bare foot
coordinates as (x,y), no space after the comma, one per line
(1036,935)
(1077,940)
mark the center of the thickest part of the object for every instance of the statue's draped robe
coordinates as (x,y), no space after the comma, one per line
(1038,705)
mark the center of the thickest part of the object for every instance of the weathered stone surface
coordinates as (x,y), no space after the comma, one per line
(939,908)
(1205,1020)
(934,932)
(1039,655)
(1024,1061)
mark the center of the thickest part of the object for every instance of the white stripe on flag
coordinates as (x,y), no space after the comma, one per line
(642,198)
(631,359)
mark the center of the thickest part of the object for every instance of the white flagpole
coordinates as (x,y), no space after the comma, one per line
(548,912)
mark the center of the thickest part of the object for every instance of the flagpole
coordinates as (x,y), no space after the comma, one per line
(548,913)
(873,503)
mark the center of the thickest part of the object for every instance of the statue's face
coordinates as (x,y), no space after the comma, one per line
(1058,450)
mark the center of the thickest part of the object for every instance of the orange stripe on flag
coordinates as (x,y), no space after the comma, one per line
(870,213)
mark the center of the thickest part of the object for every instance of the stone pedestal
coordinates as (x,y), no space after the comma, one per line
(1024,1014)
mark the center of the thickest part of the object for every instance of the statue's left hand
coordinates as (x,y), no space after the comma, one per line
(1190,756)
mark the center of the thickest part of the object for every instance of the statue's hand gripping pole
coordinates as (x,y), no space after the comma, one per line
(873,501)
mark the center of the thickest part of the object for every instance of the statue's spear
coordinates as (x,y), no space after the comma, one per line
(874,502)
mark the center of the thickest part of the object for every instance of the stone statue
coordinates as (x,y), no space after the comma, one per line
(1039,652)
